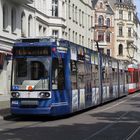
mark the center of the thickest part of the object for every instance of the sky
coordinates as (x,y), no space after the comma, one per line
(137,2)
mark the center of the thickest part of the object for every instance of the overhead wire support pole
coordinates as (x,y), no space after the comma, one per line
(100,71)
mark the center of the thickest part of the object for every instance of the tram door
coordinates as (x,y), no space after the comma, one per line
(88,88)
(58,79)
(74,85)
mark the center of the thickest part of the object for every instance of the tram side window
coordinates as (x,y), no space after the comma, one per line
(126,77)
(81,73)
(105,72)
(21,68)
(121,76)
(93,76)
(129,77)
(74,74)
(58,77)
(96,76)
(105,75)
(88,77)
(135,76)
(114,75)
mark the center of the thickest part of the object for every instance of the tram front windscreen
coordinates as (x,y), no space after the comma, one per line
(31,69)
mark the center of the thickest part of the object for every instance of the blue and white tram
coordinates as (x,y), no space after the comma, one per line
(53,78)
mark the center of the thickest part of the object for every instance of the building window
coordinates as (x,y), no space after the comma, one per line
(63,10)
(83,19)
(73,17)
(101,36)
(108,22)
(44,31)
(80,17)
(101,20)
(120,14)
(80,39)
(83,40)
(108,52)
(69,34)
(55,33)
(73,36)
(30,25)
(13,20)
(55,8)
(120,51)
(69,10)
(89,26)
(129,16)
(91,21)
(40,30)
(5,16)
(129,32)
(76,37)
(108,37)
(76,14)
(120,31)
(23,29)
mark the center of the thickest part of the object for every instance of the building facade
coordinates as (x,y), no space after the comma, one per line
(71,20)
(104,26)
(10,30)
(125,28)
(137,34)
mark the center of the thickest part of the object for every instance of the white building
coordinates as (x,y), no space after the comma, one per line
(10,29)
(69,19)
(137,54)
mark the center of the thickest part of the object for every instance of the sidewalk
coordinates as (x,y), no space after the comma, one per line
(4,101)
(4,105)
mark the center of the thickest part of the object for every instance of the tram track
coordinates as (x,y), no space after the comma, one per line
(106,127)
(130,135)
(17,124)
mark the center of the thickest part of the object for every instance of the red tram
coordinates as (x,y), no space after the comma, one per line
(134,78)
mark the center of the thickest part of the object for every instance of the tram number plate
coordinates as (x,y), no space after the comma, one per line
(29,103)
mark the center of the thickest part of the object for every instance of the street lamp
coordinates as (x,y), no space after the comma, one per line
(131,50)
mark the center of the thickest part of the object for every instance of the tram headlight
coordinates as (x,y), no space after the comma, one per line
(44,95)
(15,94)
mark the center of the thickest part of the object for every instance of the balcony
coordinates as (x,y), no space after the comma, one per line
(23,1)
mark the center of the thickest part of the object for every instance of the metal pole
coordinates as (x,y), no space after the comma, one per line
(100,71)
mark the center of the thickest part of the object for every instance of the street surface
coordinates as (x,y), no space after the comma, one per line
(118,120)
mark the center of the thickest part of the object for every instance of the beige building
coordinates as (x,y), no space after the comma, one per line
(125,28)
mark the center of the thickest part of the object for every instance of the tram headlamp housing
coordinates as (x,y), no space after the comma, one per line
(15,94)
(44,95)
